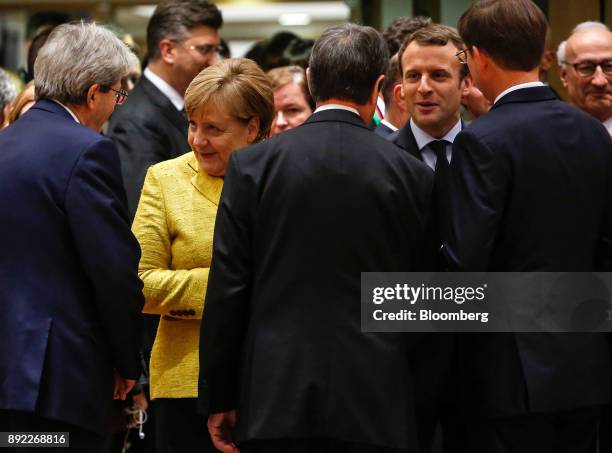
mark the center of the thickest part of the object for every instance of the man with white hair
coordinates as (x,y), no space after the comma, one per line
(7,94)
(585,61)
(70,292)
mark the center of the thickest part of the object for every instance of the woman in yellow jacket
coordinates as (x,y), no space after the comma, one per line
(230,105)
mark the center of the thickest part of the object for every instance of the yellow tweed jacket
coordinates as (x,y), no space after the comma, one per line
(174,225)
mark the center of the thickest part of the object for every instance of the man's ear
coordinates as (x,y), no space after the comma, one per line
(376,90)
(398,96)
(308,80)
(167,51)
(562,75)
(465,84)
(480,58)
(92,96)
(252,129)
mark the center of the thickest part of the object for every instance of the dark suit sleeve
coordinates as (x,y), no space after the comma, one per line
(140,144)
(603,257)
(109,253)
(477,188)
(226,306)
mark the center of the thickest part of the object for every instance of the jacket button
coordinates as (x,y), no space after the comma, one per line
(173,312)
(192,312)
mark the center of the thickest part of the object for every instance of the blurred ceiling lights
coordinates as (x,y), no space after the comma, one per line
(287,14)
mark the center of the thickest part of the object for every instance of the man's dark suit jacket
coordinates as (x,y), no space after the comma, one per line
(531,190)
(301,216)
(71,296)
(383,130)
(147,129)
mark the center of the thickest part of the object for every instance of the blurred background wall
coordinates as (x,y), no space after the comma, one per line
(249,21)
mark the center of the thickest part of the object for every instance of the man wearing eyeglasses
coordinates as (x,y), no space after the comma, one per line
(183,39)
(530,191)
(585,61)
(70,292)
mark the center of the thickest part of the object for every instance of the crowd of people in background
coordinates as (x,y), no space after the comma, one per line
(186,236)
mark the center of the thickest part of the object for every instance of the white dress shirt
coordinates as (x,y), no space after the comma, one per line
(336,107)
(423,139)
(608,125)
(163,86)
(518,87)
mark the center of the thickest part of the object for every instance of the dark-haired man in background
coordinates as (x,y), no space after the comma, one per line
(525,196)
(301,216)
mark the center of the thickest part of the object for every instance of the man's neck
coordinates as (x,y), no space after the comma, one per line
(395,116)
(365,111)
(505,79)
(439,131)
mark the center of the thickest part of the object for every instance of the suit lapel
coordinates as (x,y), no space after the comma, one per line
(176,118)
(405,139)
(209,186)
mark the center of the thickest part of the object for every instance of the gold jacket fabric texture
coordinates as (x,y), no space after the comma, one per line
(174,225)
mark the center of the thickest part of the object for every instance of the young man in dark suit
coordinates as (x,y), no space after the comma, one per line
(71,296)
(530,190)
(432,84)
(285,366)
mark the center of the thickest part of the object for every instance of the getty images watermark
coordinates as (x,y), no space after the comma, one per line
(486,302)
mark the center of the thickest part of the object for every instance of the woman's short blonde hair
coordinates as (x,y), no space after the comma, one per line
(239,85)
(279,77)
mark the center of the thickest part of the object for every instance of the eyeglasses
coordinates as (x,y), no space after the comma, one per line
(120,95)
(462,56)
(205,49)
(588,68)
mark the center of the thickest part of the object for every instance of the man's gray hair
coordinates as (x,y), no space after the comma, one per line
(8,90)
(77,56)
(583,26)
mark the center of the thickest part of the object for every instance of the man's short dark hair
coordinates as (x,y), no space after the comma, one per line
(345,63)
(433,35)
(511,32)
(392,78)
(173,19)
(397,32)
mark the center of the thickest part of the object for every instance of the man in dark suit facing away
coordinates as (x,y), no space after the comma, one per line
(530,190)
(285,366)
(71,296)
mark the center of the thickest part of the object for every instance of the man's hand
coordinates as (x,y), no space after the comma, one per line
(122,386)
(221,429)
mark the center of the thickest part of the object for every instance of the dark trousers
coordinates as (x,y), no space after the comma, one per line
(605,430)
(572,431)
(81,440)
(310,446)
(179,428)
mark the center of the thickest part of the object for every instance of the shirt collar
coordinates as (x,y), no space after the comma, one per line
(336,107)
(389,125)
(518,87)
(68,110)
(423,138)
(163,86)
(608,125)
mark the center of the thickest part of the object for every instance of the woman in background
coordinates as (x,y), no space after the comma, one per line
(21,103)
(230,105)
(292,100)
